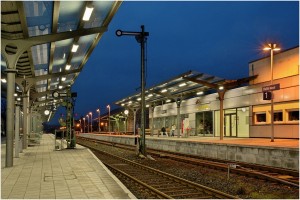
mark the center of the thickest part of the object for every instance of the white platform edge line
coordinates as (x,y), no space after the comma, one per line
(113,176)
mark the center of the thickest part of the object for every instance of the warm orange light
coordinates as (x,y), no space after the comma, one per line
(102,124)
(77,125)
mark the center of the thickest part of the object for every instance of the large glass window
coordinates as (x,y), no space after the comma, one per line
(204,123)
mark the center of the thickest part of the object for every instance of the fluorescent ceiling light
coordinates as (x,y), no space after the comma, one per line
(63,78)
(60,87)
(182,84)
(147,106)
(87,14)
(68,67)
(15,94)
(122,104)
(150,95)
(221,87)
(201,92)
(3,80)
(168,100)
(139,99)
(75,47)
(164,90)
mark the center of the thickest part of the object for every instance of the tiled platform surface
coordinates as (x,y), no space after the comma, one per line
(43,173)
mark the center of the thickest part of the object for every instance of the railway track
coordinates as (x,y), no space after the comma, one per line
(273,174)
(158,184)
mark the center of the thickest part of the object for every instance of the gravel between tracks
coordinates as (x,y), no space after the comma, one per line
(237,185)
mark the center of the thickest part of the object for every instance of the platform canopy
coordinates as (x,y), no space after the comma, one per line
(184,86)
(57,38)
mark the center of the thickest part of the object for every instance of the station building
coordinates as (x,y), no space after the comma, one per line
(245,112)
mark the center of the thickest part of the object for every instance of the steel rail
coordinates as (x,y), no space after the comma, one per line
(249,169)
(203,189)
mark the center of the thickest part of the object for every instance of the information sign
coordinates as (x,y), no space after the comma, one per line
(271,87)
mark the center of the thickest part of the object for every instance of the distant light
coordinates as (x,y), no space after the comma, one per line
(3,80)
(63,78)
(182,84)
(75,47)
(64,55)
(46,112)
(126,112)
(18,99)
(150,95)
(87,14)
(68,67)
(139,99)
(168,100)
(199,93)
(130,102)
(164,90)
(221,87)
(60,87)
(123,104)
(147,106)
(15,94)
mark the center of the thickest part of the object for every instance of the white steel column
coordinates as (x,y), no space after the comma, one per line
(10,109)
(25,118)
(17,130)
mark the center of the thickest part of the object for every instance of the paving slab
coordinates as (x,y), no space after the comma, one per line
(41,172)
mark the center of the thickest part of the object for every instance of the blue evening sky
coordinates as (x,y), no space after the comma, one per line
(217,38)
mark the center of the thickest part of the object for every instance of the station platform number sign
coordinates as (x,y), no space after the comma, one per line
(267,94)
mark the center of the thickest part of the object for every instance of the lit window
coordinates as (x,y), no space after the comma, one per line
(293,115)
(260,117)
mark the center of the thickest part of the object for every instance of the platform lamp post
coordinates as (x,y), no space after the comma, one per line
(141,38)
(84,124)
(91,121)
(126,112)
(88,124)
(272,47)
(98,111)
(108,107)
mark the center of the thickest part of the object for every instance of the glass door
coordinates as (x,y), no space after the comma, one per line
(230,128)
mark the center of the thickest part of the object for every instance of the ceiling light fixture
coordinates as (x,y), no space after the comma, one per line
(75,47)
(87,13)
(63,78)
(68,67)
(182,84)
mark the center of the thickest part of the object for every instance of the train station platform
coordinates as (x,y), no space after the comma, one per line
(283,153)
(41,172)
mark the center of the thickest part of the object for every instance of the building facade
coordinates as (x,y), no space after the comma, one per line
(246,114)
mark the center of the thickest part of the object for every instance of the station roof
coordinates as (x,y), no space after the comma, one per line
(184,86)
(61,43)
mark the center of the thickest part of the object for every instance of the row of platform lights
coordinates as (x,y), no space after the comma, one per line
(86,17)
(168,100)
(89,118)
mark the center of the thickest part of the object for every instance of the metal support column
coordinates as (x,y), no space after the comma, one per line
(25,118)
(134,122)
(10,109)
(221,98)
(152,120)
(178,102)
(17,130)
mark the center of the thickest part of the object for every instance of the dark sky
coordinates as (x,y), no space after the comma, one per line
(217,38)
